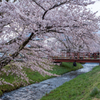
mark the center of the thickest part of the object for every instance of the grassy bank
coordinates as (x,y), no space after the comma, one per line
(84,87)
(65,67)
(34,76)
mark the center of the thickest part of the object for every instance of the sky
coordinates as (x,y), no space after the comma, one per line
(95,7)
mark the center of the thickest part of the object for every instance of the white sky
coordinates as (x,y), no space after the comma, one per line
(95,7)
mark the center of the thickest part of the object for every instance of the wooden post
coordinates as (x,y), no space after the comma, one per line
(75,55)
(89,55)
(94,55)
(72,55)
(78,55)
(99,57)
(67,55)
(83,55)
(62,55)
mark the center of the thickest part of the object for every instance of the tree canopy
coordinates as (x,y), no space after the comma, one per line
(68,21)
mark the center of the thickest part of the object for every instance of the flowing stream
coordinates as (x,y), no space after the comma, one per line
(36,91)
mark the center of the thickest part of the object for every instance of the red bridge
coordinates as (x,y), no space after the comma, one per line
(77,57)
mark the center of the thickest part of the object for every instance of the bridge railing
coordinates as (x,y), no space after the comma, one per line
(79,55)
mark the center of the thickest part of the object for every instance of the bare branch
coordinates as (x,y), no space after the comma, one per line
(55,6)
(39,5)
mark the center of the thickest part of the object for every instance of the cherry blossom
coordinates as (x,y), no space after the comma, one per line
(68,21)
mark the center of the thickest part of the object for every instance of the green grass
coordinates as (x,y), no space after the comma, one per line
(84,87)
(65,67)
(34,76)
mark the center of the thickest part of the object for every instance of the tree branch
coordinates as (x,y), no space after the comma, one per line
(39,5)
(22,46)
(62,3)
(7,60)
(55,6)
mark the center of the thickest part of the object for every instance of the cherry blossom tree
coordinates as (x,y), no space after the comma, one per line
(23,20)
(79,30)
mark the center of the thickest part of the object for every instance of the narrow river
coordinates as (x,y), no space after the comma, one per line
(36,91)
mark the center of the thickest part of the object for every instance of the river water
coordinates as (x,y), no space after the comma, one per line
(36,91)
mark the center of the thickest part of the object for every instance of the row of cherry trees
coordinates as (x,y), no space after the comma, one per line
(68,21)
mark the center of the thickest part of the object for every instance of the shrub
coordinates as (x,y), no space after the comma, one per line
(67,64)
(94,92)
